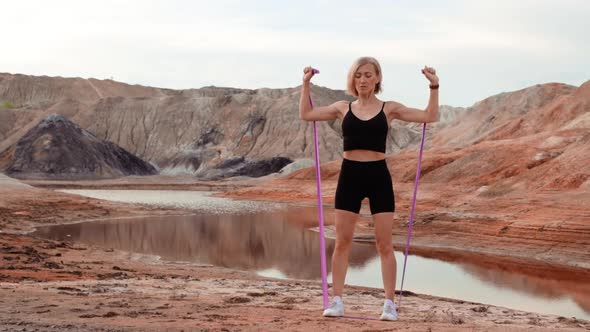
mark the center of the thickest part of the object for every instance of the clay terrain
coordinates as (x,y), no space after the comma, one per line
(505,183)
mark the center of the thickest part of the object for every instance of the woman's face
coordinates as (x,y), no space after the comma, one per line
(365,79)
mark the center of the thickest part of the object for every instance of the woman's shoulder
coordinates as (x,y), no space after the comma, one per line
(341,105)
(342,102)
(392,106)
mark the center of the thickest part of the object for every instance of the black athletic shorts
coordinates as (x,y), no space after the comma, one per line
(360,179)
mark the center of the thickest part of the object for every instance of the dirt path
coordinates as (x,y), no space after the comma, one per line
(95,89)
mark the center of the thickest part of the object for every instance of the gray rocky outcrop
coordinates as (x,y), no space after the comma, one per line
(59,149)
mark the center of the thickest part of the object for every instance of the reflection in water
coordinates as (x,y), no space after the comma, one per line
(578,289)
(556,284)
(278,244)
(244,242)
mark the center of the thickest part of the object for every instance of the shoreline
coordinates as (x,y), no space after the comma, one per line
(248,190)
(69,274)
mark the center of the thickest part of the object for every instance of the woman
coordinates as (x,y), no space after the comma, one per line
(364,172)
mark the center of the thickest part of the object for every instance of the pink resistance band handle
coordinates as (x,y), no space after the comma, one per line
(320,207)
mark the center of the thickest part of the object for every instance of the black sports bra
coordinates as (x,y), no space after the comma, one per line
(365,135)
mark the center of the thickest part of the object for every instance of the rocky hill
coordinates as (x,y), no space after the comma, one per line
(194,131)
(212,132)
(534,139)
(57,148)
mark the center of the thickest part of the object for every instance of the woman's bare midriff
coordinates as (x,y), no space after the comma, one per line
(363,155)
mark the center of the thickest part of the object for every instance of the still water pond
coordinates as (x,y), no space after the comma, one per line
(273,241)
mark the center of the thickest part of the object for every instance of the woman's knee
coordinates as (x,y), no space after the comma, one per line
(343,245)
(384,247)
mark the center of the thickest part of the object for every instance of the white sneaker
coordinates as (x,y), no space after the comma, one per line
(389,311)
(336,308)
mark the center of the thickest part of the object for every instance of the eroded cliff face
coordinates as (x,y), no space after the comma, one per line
(498,142)
(183,131)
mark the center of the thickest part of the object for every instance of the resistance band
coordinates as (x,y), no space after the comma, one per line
(411,221)
(321,211)
(320,206)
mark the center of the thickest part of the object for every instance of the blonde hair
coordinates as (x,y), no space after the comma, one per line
(350,88)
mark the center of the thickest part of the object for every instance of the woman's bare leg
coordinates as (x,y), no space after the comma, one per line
(344,222)
(383,229)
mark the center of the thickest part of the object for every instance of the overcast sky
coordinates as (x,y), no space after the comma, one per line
(479,48)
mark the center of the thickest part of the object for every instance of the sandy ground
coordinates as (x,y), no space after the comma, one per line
(60,286)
